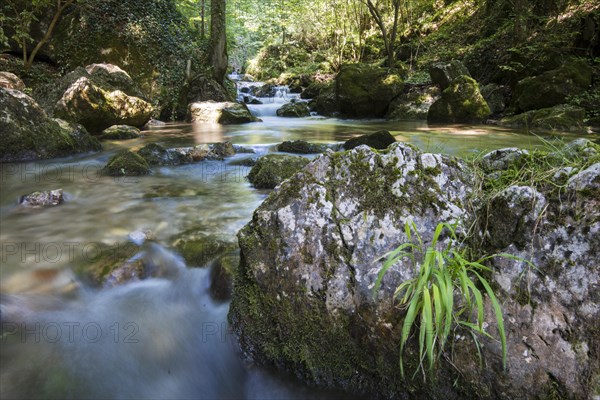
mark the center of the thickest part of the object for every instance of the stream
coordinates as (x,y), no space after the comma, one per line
(160,337)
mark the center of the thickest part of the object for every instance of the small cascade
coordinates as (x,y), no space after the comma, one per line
(262,99)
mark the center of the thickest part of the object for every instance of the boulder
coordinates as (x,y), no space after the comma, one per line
(294,109)
(301,147)
(326,103)
(378,140)
(120,132)
(114,76)
(99,107)
(444,74)
(153,123)
(42,199)
(303,299)
(552,88)
(156,155)
(313,90)
(503,159)
(269,171)
(9,80)
(199,249)
(565,117)
(460,102)
(126,163)
(413,103)
(311,254)
(225,113)
(365,91)
(496,96)
(27,133)
(221,277)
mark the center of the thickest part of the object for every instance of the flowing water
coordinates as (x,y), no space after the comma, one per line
(160,337)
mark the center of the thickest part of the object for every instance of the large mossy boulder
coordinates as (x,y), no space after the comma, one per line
(552,88)
(364,91)
(377,140)
(565,118)
(97,104)
(269,171)
(443,74)
(27,133)
(224,113)
(325,103)
(461,102)
(303,299)
(413,103)
(294,110)
(126,163)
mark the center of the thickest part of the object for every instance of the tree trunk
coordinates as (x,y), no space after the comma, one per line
(218,40)
(202,19)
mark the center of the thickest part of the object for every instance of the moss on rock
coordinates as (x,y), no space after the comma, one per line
(377,140)
(120,132)
(127,163)
(273,169)
(552,87)
(559,118)
(294,110)
(460,102)
(365,91)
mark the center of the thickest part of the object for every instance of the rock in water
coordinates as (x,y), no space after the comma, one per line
(120,132)
(378,140)
(27,133)
(294,110)
(303,296)
(311,254)
(301,147)
(98,108)
(564,117)
(42,199)
(126,163)
(269,171)
(225,113)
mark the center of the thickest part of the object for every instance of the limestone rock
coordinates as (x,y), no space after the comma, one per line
(269,171)
(225,113)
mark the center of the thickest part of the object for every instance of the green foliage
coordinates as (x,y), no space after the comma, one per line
(445,292)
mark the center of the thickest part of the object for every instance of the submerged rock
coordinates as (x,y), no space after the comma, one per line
(301,147)
(294,110)
(42,199)
(225,113)
(378,140)
(27,133)
(120,132)
(199,249)
(127,163)
(269,171)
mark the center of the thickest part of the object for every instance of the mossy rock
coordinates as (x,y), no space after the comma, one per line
(294,110)
(564,118)
(378,140)
(444,74)
(127,163)
(365,91)
(496,97)
(27,133)
(301,147)
(221,276)
(552,87)
(413,103)
(199,249)
(156,155)
(326,102)
(273,169)
(98,107)
(460,102)
(313,90)
(120,132)
(224,113)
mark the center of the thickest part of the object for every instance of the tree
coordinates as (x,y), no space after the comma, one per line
(218,40)
(389,37)
(23,19)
